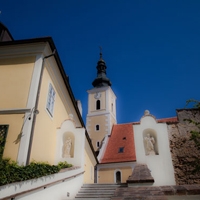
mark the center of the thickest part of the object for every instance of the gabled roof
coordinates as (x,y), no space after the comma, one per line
(121,139)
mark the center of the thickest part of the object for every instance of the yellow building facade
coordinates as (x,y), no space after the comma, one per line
(114,173)
(15,87)
(39,117)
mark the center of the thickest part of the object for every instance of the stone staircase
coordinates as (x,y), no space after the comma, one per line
(122,192)
(97,191)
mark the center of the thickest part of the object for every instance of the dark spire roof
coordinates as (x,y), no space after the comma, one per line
(101,80)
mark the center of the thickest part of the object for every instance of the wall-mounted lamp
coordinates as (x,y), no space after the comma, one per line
(33,111)
(29,117)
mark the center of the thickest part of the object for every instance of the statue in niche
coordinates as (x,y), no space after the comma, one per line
(150,144)
(67,147)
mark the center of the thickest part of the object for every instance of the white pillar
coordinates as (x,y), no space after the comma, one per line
(26,130)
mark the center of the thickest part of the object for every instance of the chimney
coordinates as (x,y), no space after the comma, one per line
(79,106)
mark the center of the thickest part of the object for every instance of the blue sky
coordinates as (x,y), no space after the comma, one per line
(151,48)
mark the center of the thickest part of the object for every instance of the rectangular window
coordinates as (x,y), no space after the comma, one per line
(98,105)
(98,143)
(3,135)
(97,127)
(50,100)
(121,150)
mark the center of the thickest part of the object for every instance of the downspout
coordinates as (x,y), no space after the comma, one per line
(36,108)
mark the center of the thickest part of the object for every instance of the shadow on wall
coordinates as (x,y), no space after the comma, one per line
(68,145)
(150,142)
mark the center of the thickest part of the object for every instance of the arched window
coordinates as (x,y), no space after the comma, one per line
(98,105)
(97,127)
(112,107)
(118,177)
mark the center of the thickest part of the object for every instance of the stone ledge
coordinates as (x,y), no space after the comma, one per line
(13,190)
(167,190)
(181,189)
(69,169)
(155,192)
(142,194)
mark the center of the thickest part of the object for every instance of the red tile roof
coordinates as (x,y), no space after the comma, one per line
(165,120)
(122,136)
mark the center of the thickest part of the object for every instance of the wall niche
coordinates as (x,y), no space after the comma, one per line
(150,142)
(68,145)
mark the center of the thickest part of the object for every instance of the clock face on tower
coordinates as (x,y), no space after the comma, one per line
(97,95)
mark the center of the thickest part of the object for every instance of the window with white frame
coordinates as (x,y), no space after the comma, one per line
(50,99)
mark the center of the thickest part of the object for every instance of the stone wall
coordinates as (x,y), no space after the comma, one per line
(184,151)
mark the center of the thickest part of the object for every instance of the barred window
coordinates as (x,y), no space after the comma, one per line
(3,135)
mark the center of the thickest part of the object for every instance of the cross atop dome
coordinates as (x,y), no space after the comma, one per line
(101,80)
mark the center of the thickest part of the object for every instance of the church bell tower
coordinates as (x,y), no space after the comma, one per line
(101,106)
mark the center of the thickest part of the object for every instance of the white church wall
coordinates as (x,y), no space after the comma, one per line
(61,191)
(160,164)
(103,148)
(51,187)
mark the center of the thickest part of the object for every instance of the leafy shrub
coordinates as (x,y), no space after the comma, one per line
(11,172)
(64,164)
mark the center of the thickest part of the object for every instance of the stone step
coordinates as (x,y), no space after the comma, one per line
(94,188)
(103,185)
(94,195)
(97,188)
(91,198)
(96,191)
